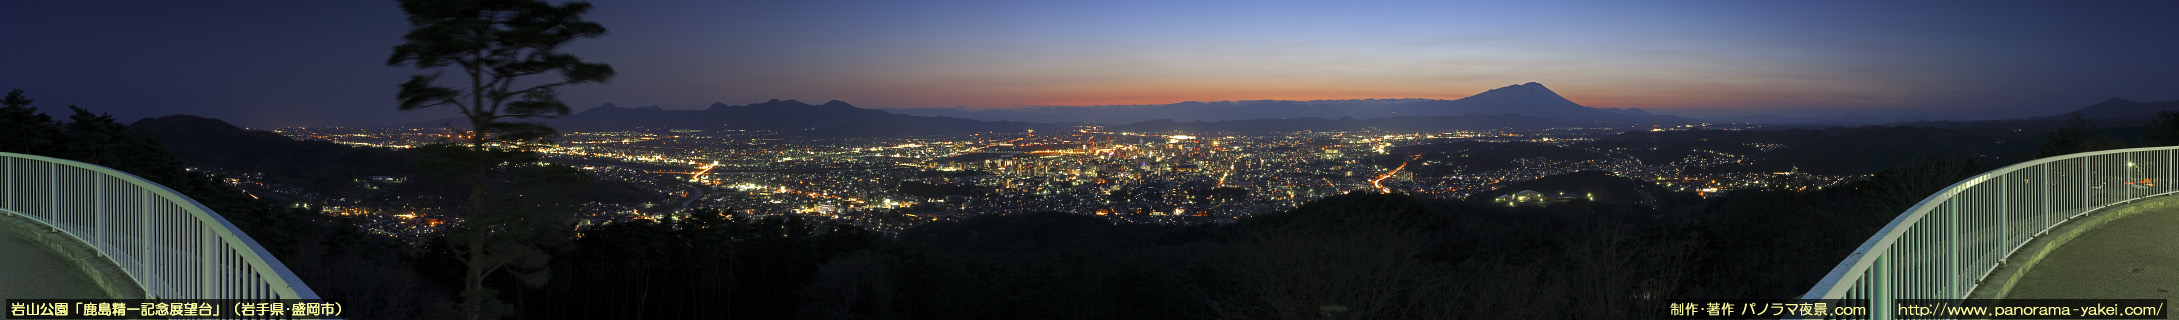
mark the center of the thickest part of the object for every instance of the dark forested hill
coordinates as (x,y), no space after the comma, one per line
(833,118)
(1595,186)
(1841,150)
(318,166)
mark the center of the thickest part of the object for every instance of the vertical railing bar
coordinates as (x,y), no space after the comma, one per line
(54,194)
(155,240)
(2004,228)
(1919,254)
(1911,283)
(174,268)
(98,215)
(1952,242)
(2003,210)
(208,259)
(157,228)
(1886,294)
(226,273)
(144,242)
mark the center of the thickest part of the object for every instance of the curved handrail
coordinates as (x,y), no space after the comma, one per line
(1942,247)
(170,245)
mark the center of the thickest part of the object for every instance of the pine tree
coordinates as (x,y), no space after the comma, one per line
(495,43)
(2164,129)
(23,129)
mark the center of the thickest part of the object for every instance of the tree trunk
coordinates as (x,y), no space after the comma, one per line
(476,278)
(476,207)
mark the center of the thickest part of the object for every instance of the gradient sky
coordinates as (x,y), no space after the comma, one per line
(269,63)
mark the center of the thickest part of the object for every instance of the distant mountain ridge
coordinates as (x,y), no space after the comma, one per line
(2115,112)
(1531,99)
(1404,123)
(830,118)
(1527,105)
(1527,99)
(2119,108)
(1522,106)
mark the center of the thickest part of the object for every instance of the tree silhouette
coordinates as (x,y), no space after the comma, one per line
(2163,129)
(2078,135)
(1343,257)
(22,128)
(496,43)
(858,285)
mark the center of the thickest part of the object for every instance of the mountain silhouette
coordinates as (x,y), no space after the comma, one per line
(1184,111)
(1526,99)
(2119,108)
(1412,123)
(830,118)
(1529,99)
(1526,105)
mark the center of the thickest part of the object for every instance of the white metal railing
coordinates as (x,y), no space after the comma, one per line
(1944,246)
(170,245)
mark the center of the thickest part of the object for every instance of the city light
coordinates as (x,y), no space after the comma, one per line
(1130,176)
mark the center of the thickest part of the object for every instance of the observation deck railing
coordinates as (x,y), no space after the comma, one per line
(170,245)
(1944,247)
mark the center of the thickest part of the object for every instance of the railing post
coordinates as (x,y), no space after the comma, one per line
(98,216)
(143,243)
(1953,242)
(53,207)
(208,256)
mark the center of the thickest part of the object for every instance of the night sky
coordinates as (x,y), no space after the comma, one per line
(273,63)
